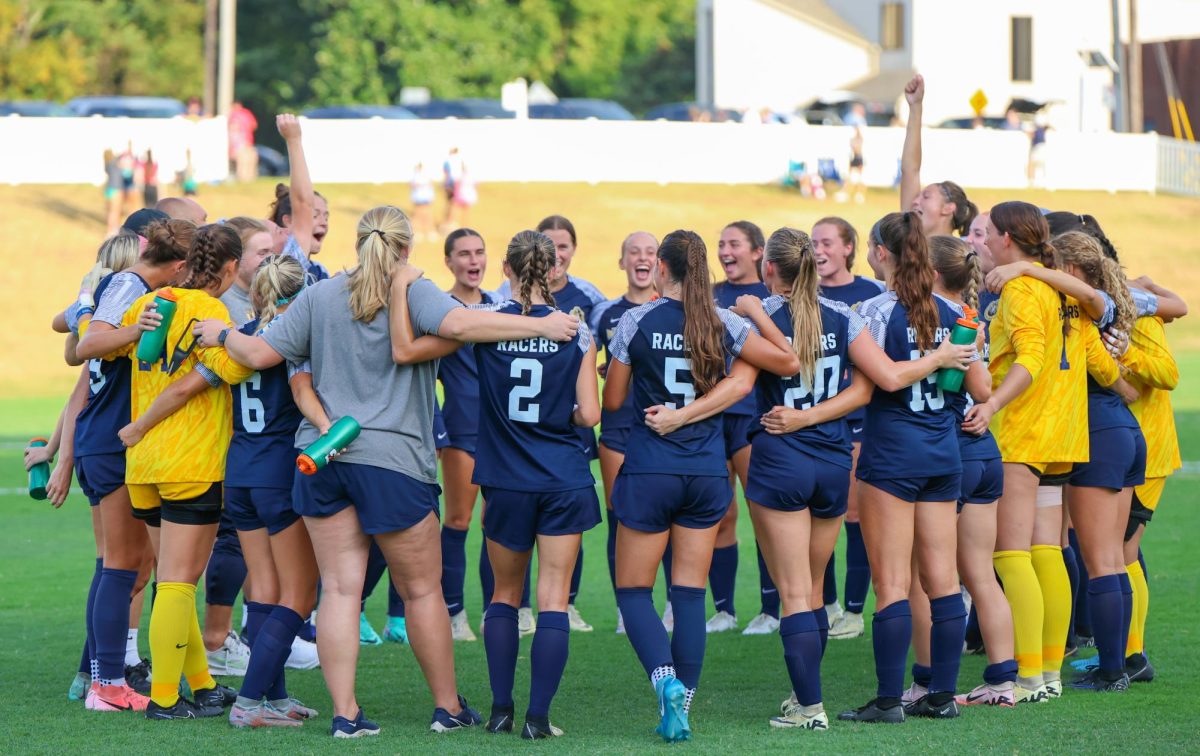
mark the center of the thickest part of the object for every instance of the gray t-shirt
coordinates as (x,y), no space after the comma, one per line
(237,301)
(354,374)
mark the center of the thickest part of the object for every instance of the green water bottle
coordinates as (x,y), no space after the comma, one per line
(328,446)
(965,331)
(39,474)
(150,345)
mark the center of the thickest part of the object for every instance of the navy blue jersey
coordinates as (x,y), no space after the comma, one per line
(829,441)
(605,318)
(460,388)
(852,295)
(262,452)
(911,432)
(577,293)
(649,339)
(527,441)
(110,387)
(1106,409)
(726,294)
(989,305)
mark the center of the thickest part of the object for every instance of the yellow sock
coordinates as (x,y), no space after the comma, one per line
(195,662)
(1056,598)
(1141,607)
(170,630)
(1024,596)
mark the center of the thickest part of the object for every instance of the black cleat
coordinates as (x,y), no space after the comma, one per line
(137,677)
(220,697)
(1139,668)
(881,710)
(933,706)
(537,730)
(501,721)
(183,709)
(1095,679)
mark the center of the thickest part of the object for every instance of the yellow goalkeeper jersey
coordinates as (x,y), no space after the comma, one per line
(1153,372)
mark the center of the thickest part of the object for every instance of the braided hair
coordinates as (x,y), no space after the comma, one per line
(531,257)
(213,247)
(958,265)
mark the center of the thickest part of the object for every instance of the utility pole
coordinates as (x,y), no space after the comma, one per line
(1135,72)
(210,57)
(228,35)
(1120,92)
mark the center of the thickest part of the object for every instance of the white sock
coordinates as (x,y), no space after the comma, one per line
(687,700)
(667,670)
(132,659)
(95,671)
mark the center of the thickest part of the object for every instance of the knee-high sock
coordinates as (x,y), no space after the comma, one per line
(769,594)
(548,660)
(1105,602)
(829,593)
(376,565)
(1126,607)
(666,567)
(171,623)
(922,675)
(645,628)
(1056,597)
(226,571)
(689,639)
(611,548)
(891,635)
(949,615)
(501,642)
(1024,595)
(195,660)
(110,621)
(487,580)
(256,615)
(1083,617)
(802,655)
(576,576)
(1141,607)
(454,567)
(1073,576)
(1000,672)
(88,664)
(271,649)
(858,569)
(722,576)
(395,603)
(1142,561)
(822,617)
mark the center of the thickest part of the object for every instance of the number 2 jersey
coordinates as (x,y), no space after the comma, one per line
(527,441)
(910,433)
(262,453)
(649,339)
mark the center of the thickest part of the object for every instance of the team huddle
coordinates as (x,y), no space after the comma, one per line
(990,418)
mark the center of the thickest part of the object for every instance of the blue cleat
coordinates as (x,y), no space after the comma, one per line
(673,725)
(443,721)
(366,634)
(358,727)
(396,630)
(1084,665)
(79,687)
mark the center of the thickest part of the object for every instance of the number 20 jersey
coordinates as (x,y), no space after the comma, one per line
(649,339)
(828,441)
(262,452)
(527,441)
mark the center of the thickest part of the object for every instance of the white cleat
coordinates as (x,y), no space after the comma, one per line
(802,717)
(669,618)
(460,627)
(620,623)
(721,622)
(763,624)
(578,625)
(231,658)
(525,623)
(303,655)
(834,612)
(849,625)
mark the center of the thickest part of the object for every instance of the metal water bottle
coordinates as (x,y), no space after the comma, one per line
(965,331)
(39,474)
(150,345)
(318,454)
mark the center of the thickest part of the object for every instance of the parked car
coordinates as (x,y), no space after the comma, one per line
(690,111)
(118,106)
(465,108)
(35,109)
(581,108)
(389,112)
(271,162)
(971,122)
(834,109)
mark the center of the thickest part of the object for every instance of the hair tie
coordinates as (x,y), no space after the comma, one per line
(971,253)
(377,231)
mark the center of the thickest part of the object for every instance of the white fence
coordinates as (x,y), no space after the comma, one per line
(1179,167)
(69,150)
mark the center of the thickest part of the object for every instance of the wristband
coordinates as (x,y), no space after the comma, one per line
(222,336)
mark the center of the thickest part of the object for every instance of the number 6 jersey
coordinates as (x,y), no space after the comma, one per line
(527,441)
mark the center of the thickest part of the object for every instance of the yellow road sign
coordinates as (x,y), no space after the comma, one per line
(979,101)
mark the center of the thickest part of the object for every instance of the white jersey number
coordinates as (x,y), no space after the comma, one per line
(254,414)
(529,389)
(672,367)
(96,377)
(827,373)
(926,394)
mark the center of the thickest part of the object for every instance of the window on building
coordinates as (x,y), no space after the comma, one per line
(891,26)
(1022,48)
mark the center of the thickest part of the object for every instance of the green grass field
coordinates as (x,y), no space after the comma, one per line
(605,704)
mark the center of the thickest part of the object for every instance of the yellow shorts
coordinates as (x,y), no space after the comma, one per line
(1149,493)
(183,503)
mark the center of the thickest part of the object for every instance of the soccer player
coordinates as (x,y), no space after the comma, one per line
(299,212)
(675,486)
(835,244)
(943,207)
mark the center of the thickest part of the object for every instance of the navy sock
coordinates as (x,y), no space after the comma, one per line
(666,567)
(525,603)
(891,632)
(690,635)
(1083,614)
(487,580)
(256,615)
(548,659)
(829,594)
(612,550)
(1126,608)
(376,565)
(226,570)
(645,628)
(1105,602)
(307,631)
(769,594)
(722,576)
(802,655)
(576,576)
(973,635)
(1072,575)
(110,620)
(501,642)
(395,603)
(858,569)
(270,653)
(89,646)
(822,618)
(454,567)
(946,641)
(922,675)
(1001,672)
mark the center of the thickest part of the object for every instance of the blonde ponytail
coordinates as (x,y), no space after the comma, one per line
(384,236)
(790,251)
(277,282)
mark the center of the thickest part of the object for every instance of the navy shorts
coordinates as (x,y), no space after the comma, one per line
(385,500)
(100,474)
(614,439)
(653,502)
(737,432)
(856,431)
(784,478)
(924,488)
(982,481)
(257,508)
(514,519)
(441,439)
(1118,460)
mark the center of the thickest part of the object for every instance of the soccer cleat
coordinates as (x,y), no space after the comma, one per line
(788,703)
(396,630)
(876,711)
(802,717)
(1085,641)
(1083,665)
(79,687)
(849,625)
(231,658)
(525,623)
(673,724)
(501,721)
(763,624)
(578,625)
(181,709)
(137,676)
(358,727)
(115,698)
(669,618)
(460,628)
(974,647)
(296,710)
(218,696)
(443,721)
(1139,668)
(366,637)
(721,622)
(1053,689)
(262,714)
(303,655)
(913,694)
(1095,680)
(621,623)
(989,695)
(536,731)
(834,612)
(1024,695)
(927,707)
